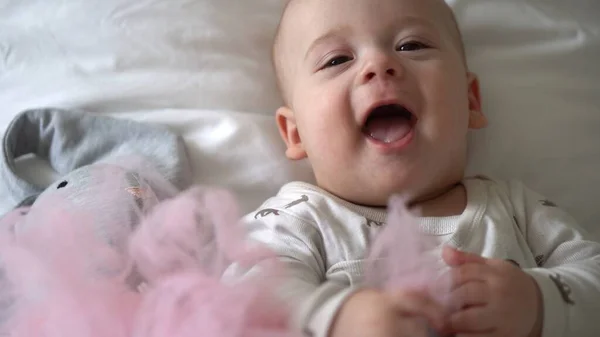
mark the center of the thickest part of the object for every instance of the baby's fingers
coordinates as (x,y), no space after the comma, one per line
(420,304)
(469,295)
(476,320)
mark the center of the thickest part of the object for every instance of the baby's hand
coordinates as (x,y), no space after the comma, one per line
(372,313)
(492,298)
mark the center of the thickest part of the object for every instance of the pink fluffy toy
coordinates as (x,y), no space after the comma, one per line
(128,265)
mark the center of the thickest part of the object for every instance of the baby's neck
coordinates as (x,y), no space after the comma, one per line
(449,202)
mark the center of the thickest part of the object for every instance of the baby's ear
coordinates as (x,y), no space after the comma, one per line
(289,132)
(477,119)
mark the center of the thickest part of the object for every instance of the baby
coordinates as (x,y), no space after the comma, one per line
(379,99)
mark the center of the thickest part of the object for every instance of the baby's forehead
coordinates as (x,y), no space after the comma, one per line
(300,16)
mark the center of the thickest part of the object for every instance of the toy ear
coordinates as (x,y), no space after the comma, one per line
(27,201)
(69,140)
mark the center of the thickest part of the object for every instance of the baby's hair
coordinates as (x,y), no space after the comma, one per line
(276,50)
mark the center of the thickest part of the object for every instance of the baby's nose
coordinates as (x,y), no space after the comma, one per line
(385,72)
(380,66)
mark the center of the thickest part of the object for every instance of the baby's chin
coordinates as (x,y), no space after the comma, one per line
(371,201)
(449,201)
(378,192)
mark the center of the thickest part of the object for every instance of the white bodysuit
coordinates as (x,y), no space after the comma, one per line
(323,241)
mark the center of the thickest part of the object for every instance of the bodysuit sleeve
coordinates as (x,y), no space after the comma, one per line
(568,272)
(312,298)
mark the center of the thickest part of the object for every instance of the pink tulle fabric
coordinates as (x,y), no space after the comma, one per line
(402,257)
(59,280)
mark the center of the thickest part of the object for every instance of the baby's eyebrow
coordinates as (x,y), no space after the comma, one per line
(407,21)
(332,34)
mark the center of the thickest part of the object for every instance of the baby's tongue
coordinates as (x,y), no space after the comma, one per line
(388,129)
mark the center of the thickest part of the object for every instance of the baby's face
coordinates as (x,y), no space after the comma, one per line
(379,98)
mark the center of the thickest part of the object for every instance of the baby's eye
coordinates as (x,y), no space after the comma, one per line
(336,61)
(412,46)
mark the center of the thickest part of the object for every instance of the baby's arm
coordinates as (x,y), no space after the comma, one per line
(322,307)
(569,267)
(298,246)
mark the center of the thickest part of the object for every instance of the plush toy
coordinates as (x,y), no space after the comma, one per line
(61,281)
(72,142)
(114,248)
(102,162)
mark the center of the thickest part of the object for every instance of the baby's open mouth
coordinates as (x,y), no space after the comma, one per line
(389,123)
